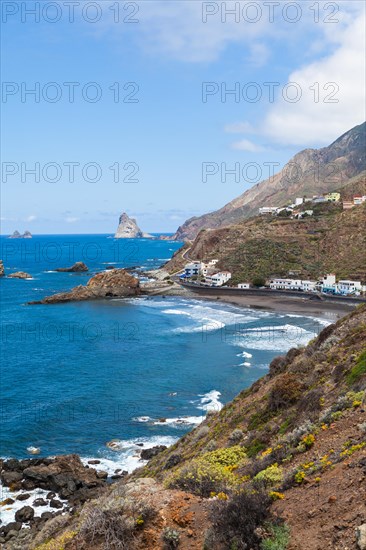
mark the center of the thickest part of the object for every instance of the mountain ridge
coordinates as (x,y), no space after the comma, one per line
(318,171)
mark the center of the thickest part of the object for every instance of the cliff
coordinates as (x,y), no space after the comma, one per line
(310,172)
(128,229)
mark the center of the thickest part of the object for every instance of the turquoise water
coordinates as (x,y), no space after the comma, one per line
(75,376)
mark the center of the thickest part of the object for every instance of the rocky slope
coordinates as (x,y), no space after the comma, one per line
(281,467)
(112,283)
(312,171)
(332,241)
(128,229)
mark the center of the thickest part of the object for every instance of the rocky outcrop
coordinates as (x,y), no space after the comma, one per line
(76,268)
(20,275)
(17,235)
(307,173)
(116,283)
(65,475)
(128,229)
(2,270)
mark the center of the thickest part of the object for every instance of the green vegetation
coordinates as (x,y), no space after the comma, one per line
(272,475)
(358,370)
(279,538)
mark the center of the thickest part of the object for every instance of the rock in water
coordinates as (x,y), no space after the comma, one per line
(2,270)
(20,275)
(128,229)
(17,235)
(114,283)
(77,267)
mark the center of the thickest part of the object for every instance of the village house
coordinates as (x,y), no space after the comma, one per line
(359,200)
(347,205)
(244,286)
(218,279)
(268,210)
(349,287)
(197,268)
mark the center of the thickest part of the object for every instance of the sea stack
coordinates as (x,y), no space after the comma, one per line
(128,229)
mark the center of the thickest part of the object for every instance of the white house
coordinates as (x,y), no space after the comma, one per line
(285,284)
(211,263)
(268,210)
(328,281)
(298,201)
(193,269)
(358,200)
(244,286)
(349,287)
(308,286)
(219,278)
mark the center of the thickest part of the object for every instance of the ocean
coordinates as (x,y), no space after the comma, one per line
(139,371)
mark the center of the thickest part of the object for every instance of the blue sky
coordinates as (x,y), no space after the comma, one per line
(168,132)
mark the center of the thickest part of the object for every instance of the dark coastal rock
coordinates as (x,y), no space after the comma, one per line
(7,501)
(101,474)
(94,461)
(39,502)
(46,515)
(23,496)
(54,503)
(8,478)
(20,275)
(2,270)
(76,268)
(25,514)
(147,454)
(29,484)
(12,526)
(114,283)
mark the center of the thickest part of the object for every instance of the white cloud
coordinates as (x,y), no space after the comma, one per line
(247,145)
(339,107)
(259,54)
(30,218)
(239,128)
(71,220)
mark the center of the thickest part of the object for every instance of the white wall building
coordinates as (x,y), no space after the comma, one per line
(268,210)
(244,286)
(219,278)
(298,201)
(193,269)
(308,286)
(349,287)
(285,284)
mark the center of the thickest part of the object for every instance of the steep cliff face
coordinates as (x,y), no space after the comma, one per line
(128,229)
(310,172)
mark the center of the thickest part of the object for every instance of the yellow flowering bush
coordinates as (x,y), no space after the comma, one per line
(308,440)
(275,495)
(300,476)
(352,449)
(271,475)
(203,477)
(59,542)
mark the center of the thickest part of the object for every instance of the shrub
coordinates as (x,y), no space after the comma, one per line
(202,478)
(310,402)
(199,433)
(172,461)
(226,457)
(236,436)
(277,365)
(234,521)
(115,522)
(279,538)
(358,370)
(308,440)
(171,538)
(285,392)
(270,476)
